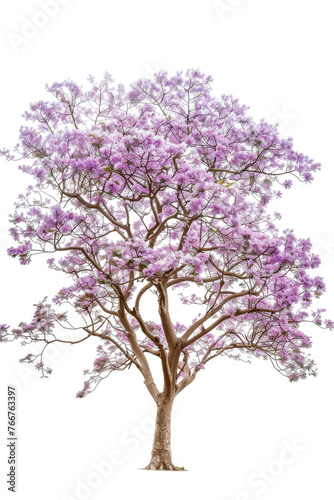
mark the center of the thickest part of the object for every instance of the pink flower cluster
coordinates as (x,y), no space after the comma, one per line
(164,188)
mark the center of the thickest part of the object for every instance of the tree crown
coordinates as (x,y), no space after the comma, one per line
(164,188)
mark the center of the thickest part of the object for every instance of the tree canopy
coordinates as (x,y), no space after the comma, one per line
(157,190)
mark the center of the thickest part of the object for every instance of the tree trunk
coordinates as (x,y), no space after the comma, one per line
(161,458)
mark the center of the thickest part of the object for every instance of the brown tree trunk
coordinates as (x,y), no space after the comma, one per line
(161,458)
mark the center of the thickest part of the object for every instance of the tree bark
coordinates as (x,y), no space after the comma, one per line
(161,458)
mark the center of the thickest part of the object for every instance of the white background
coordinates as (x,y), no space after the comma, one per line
(275,56)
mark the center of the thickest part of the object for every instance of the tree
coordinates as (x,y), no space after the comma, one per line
(158,190)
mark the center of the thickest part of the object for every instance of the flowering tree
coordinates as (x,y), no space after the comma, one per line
(158,190)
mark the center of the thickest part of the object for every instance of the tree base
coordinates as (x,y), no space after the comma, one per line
(159,465)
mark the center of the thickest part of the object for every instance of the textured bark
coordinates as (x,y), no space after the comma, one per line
(161,458)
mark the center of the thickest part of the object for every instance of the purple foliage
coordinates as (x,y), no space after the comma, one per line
(165,189)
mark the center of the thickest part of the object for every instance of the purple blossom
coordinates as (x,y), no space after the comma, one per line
(165,198)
